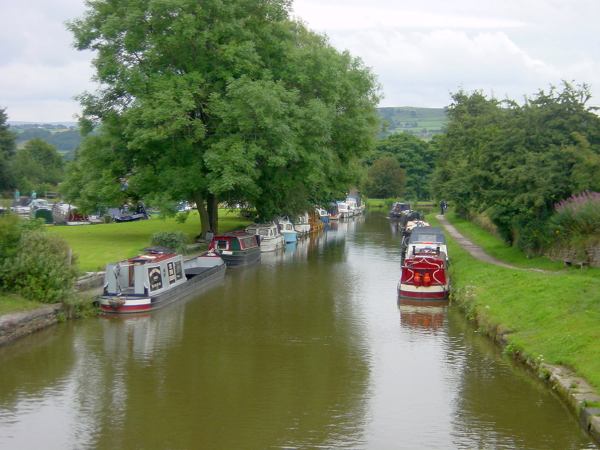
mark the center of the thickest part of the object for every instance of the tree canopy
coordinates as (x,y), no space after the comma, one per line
(37,166)
(515,162)
(416,156)
(385,179)
(220,101)
(7,151)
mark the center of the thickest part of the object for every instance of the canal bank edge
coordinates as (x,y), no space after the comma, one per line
(579,395)
(17,325)
(20,324)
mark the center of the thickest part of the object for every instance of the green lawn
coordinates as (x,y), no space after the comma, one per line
(10,303)
(97,245)
(551,317)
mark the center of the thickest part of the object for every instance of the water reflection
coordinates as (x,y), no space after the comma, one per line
(422,315)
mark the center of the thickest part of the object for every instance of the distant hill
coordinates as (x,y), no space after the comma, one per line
(422,122)
(64,136)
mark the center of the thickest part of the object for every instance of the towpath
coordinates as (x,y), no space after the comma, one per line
(475,250)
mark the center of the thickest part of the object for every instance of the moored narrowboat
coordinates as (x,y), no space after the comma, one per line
(237,248)
(155,279)
(424,265)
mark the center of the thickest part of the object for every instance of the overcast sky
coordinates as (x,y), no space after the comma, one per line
(420,51)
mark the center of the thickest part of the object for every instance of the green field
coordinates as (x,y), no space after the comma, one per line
(97,245)
(551,317)
(422,122)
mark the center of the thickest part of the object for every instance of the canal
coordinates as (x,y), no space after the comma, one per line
(309,349)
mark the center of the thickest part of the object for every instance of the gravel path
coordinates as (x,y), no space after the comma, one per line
(475,250)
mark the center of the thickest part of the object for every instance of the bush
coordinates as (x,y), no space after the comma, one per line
(42,269)
(576,223)
(175,240)
(577,216)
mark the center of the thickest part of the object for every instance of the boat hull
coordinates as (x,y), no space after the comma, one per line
(270,245)
(241,258)
(422,293)
(131,304)
(289,236)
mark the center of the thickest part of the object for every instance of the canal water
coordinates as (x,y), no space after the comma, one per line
(309,349)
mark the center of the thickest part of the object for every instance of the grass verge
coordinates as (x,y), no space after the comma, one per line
(97,245)
(546,317)
(499,249)
(12,303)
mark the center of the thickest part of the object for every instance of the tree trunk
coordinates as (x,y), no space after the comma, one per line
(204,220)
(213,213)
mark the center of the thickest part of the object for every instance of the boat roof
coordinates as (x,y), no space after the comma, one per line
(232,234)
(152,257)
(427,234)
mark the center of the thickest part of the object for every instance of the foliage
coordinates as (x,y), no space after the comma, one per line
(385,178)
(576,222)
(175,240)
(416,157)
(212,101)
(41,270)
(514,162)
(7,150)
(36,166)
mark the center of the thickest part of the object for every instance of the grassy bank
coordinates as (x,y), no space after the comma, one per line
(97,245)
(497,248)
(550,317)
(11,303)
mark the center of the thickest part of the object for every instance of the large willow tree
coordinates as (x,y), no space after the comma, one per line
(218,100)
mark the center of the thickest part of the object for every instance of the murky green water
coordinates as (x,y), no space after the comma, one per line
(307,350)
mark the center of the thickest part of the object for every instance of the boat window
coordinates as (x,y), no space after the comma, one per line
(235,244)
(265,232)
(422,237)
(222,244)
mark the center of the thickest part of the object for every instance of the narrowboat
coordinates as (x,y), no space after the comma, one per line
(155,279)
(237,248)
(424,265)
(287,229)
(268,236)
(398,208)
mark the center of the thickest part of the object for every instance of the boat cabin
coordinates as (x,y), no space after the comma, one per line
(425,241)
(232,242)
(144,275)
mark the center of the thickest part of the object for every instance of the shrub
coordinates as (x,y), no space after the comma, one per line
(577,217)
(42,269)
(175,240)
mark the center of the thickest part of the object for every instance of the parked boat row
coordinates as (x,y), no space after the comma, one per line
(424,260)
(159,277)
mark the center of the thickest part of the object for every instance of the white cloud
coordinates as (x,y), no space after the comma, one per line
(420,51)
(510,48)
